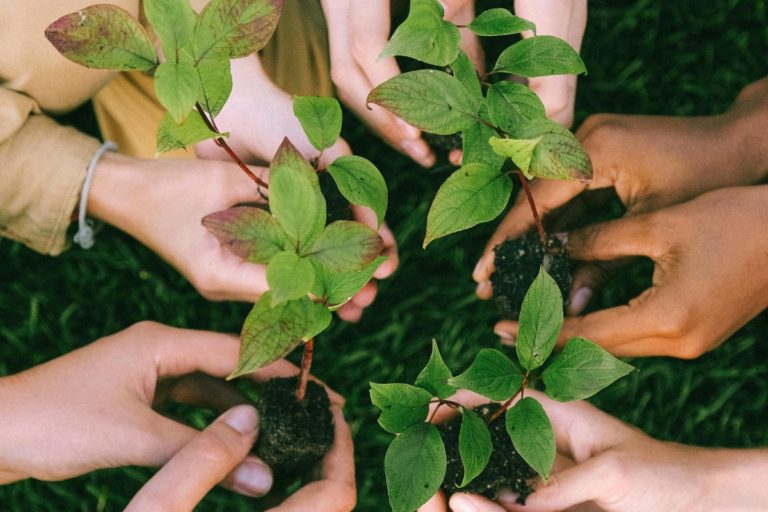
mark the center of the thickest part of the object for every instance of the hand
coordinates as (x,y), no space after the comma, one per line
(710,276)
(697,155)
(566,20)
(357,33)
(618,468)
(63,417)
(211,454)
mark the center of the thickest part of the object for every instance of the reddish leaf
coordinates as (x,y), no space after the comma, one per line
(248,232)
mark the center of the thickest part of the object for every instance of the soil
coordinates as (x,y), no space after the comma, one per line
(336,205)
(506,468)
(517,265)
(443,142)
(293,435)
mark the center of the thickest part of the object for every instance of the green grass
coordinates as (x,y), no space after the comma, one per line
(644,56)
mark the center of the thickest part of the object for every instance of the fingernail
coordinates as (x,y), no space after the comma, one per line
(462,503)
(479,266)
(253,477)
(483,289)
(507,496)
(242,418)
(579,300)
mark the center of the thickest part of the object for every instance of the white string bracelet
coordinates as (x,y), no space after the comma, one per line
(84,235)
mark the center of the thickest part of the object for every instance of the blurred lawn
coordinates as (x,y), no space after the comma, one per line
(644,56)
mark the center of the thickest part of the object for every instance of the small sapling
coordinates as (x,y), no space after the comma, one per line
(474,453)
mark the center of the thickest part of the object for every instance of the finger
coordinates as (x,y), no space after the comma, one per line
(628,236)
(466,398)
(549,194)
(350,312)
(455,156)
(435,504)
(336,491)
(365,296)
(241,188)
(461,502)
(201,464)
(585,482)
(199,390)
(368,217)
(233,279)
(589,278)
(339,148)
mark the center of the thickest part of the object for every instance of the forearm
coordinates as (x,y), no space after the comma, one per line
(736,480)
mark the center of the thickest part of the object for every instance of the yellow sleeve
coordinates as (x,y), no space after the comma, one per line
(42,168)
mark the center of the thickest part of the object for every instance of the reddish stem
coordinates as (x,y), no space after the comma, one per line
(223,144)
(501,410)
(306,364)
(532,203)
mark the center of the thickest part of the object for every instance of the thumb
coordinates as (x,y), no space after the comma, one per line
(202,463)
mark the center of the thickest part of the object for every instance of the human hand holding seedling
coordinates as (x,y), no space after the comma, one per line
(515,437)
(709,279)
(697,155)
(617,468)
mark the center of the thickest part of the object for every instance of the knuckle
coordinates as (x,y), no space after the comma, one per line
(600,132)
(686,348)
(614,469)
(219,448)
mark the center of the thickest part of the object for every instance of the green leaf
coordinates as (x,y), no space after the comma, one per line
(431,100)
(174,21)
(581,370)
(559,155)
(320,319)
(215,79)
(338,287)
(464,71)
(475,147)
(434,377)
(540,56)
(289,276)
(473,194)
(171,135)
(499,22)
(360,182)
(235,28)
(177,87)
(103,37)
(402,405)
(519,150)
(270,333)
(541,317)
(425,36)
(294,196)
(320,118)
(491,374)
(415,467)
(346,245)
(475,445)
(511,104)
(532,436)
(249,232)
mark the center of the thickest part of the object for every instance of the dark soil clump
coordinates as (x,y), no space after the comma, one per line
(506,468)
(444,143)
(293,436)
(336,205)
(517,265)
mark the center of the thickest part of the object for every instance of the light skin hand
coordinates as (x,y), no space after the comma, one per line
(618,468)
(710,276)
(128,373)
(697,154)
(358,32)
(566,20)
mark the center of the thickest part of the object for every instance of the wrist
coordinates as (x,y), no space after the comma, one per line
(115,190)
(735,480)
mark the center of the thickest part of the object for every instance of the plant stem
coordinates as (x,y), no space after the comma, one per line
(529,195)
(501,410)
(223,144)
(306,364)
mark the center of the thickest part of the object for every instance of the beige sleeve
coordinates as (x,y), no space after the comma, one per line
(42,168)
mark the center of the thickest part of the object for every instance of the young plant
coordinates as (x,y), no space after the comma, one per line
(497,121)
(193,81)
(415,463)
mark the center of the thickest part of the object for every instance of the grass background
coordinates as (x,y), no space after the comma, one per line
(644,56)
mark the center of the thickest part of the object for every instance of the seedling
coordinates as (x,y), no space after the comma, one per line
(415,463)
(193,81)
(498,121)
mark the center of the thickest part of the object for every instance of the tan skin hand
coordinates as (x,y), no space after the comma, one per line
(615,467)
(126,375)
(710,275)
(696,154)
